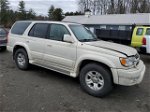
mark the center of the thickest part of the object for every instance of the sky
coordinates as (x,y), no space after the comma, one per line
(41,6)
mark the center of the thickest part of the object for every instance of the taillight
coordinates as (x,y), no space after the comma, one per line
(144,41)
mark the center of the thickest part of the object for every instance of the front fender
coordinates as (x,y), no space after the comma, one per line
(101,59)
(104,60)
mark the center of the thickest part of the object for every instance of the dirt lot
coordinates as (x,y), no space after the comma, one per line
(42,90)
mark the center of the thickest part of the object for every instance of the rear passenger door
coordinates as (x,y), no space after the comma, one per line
(36,44)
(59,54)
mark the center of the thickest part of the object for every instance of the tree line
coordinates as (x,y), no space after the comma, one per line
(9,16)
(115,6)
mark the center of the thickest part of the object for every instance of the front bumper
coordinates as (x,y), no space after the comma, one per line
(3,43)
(131,76)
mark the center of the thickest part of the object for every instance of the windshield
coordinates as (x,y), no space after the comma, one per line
(83,34)
(148,31)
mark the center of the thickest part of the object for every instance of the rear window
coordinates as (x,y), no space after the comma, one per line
(20,27)
(148,31)
(140,31)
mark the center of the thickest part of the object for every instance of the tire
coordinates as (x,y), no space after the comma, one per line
(21,59)
(96,80)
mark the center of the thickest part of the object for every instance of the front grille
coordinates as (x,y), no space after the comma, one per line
(137,56)
(137,59)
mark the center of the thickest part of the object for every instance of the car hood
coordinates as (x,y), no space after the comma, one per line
(128,51)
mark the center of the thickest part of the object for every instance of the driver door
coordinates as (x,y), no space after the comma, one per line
(59,54)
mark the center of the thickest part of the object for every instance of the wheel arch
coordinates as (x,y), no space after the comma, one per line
(84,62)
(98,82)
(18,46)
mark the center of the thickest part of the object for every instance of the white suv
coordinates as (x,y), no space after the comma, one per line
(71,49)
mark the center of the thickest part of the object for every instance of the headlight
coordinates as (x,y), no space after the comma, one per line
(128,62)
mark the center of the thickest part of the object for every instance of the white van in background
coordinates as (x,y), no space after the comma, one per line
(147,46)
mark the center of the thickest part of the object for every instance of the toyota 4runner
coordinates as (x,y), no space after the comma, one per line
(71,49)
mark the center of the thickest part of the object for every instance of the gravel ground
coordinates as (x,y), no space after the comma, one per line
(42,90)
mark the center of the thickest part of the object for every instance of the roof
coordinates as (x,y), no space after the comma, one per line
(43,21)
(126,19)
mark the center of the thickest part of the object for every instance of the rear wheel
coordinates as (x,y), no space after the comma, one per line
(96,80)
(21,59)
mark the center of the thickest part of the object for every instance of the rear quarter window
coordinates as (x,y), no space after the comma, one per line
(20,27)
(148,31)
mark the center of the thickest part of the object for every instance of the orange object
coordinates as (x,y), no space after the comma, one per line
(123,61)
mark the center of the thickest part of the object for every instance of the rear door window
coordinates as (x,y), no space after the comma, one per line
(139,31)
(148,31)
(20,27)
(39,30)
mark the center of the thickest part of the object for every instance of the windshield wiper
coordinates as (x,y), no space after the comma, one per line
(89,40)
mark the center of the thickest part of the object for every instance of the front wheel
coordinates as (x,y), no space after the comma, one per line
(21,59)
(96,80)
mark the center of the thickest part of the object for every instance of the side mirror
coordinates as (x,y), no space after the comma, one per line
(68,38)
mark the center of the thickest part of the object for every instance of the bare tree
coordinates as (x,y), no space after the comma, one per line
(144,6)
(134,6)
(102,6)
(111,7)
(115,6)
(105,6)
(93,6)
(121,8)
(84,5)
